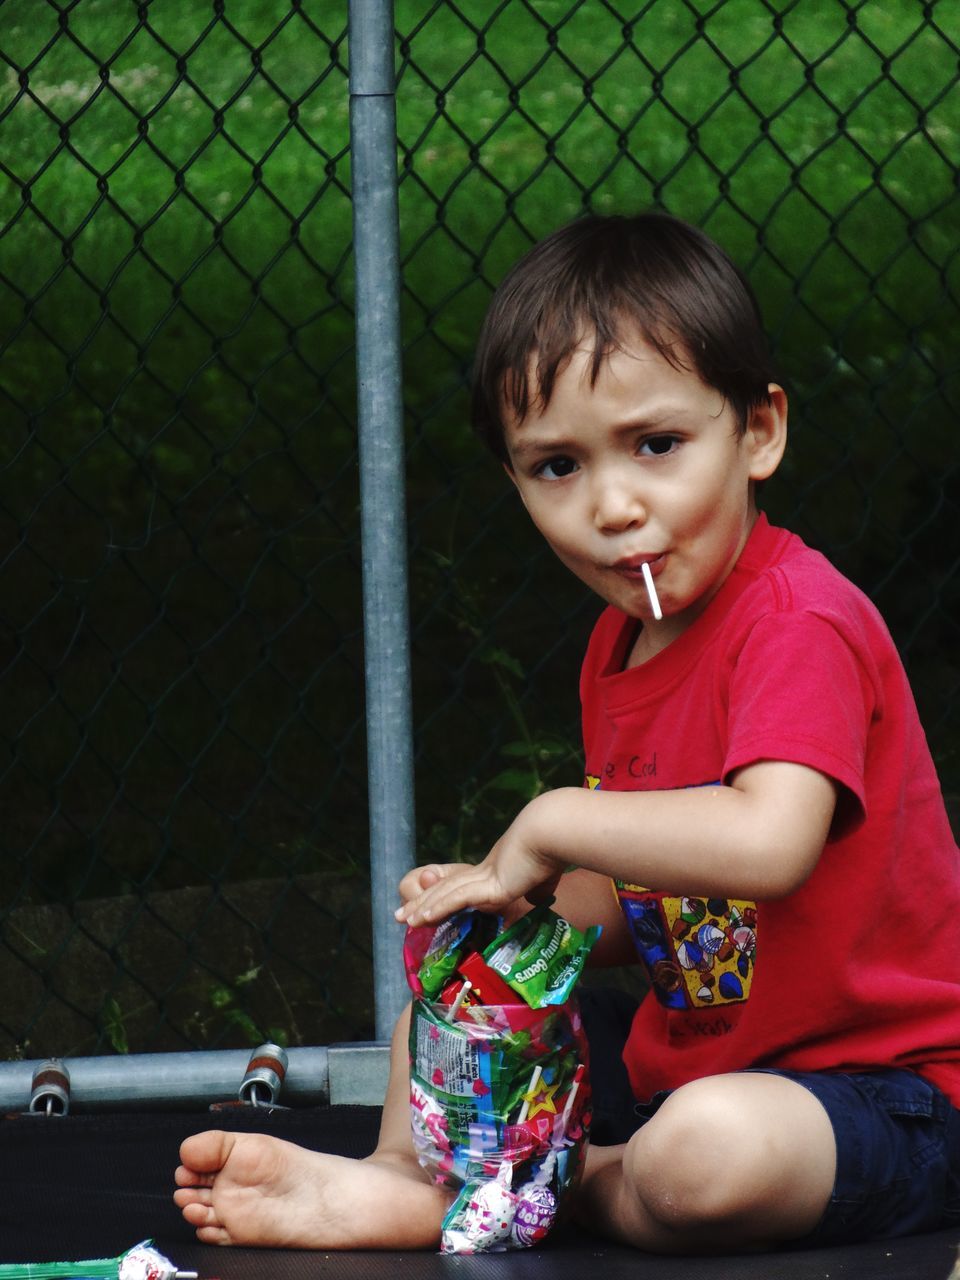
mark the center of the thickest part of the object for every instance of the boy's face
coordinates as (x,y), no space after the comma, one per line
(645,465)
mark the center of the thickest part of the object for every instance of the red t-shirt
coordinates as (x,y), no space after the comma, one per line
(860,967)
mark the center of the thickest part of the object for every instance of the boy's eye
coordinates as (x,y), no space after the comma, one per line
(556,468)
(658,446)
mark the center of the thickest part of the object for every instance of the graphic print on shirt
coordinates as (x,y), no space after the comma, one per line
(698,952)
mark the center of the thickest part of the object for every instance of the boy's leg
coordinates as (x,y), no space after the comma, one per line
(253,1189)
(728,1162)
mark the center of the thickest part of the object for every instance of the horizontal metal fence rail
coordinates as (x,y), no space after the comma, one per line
(352,1074)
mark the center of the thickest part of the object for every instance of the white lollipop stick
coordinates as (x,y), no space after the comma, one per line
(461,996)
(651,591)
(560,1132)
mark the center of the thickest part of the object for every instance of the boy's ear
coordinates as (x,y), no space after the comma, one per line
(766,434)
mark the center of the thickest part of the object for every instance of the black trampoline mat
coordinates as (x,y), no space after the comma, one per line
(88,1186)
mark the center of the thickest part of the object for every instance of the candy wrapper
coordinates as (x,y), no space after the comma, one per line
(499,1091)
(142,1262)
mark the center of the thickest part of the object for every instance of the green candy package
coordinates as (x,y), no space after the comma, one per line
(541,956)
(435,961)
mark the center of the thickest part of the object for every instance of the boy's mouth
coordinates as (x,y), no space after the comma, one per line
(633,565)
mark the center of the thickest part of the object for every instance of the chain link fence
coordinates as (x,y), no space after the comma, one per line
(182,791)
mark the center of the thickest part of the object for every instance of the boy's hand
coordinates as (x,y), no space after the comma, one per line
(516,867)
(420,879)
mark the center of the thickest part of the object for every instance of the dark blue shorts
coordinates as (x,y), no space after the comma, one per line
(898,1137)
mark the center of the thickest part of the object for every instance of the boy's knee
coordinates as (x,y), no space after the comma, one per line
(687,1166)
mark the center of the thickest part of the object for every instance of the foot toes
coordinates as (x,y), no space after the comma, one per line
(213,1235)
(200,1214)
(185,1177)
(207,1151)
(192,1195)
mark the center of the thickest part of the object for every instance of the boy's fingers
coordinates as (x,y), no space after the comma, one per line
(418,880)
(415,909)
(451,892)
(479,890)
(426,908)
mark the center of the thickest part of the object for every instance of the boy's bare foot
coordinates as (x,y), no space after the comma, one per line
(251,1189)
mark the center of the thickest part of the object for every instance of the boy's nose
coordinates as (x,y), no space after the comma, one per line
(618,506)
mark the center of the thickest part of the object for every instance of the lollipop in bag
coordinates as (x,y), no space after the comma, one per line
(500,1096)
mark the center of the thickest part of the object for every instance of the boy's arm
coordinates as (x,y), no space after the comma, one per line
(758,838)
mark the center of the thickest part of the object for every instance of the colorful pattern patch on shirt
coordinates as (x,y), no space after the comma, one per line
(698,952)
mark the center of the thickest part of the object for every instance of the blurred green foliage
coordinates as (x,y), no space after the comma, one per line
(182,680)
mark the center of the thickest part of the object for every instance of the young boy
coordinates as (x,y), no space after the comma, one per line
(761,821)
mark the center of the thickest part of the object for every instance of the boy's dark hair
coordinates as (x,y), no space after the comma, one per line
(602,276)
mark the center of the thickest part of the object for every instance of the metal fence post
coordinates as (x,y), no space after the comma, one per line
(373,144)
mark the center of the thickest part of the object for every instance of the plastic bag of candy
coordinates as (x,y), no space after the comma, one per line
(499,1086)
